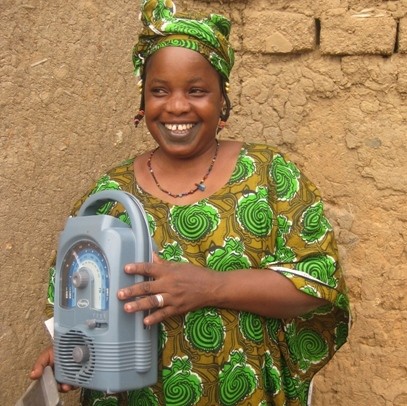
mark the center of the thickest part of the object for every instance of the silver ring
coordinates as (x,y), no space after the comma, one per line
(160,300)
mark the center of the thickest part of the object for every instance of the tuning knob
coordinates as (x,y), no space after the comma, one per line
(80,278)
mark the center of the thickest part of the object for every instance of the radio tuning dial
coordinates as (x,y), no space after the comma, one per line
(80,278)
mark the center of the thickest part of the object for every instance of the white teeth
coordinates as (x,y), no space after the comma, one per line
(178,127)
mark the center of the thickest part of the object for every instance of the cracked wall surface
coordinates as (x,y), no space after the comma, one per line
(326,82)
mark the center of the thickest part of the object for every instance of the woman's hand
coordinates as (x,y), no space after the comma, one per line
(175,288)
(47,358)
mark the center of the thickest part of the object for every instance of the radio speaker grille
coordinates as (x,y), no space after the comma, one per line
(71,369)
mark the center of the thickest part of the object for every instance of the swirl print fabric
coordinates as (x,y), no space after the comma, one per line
(268,216)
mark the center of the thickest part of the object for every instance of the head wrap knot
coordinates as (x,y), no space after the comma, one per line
(162,28)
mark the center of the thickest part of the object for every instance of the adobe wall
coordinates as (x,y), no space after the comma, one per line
(324,81)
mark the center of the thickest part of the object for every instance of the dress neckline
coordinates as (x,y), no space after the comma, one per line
(139,190)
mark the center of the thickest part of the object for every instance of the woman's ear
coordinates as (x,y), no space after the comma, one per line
(222,106)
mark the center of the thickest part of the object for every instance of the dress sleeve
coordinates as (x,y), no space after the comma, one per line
(306,253)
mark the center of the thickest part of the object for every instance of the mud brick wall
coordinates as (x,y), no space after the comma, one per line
(325,81)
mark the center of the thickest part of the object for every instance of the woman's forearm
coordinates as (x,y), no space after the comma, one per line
(264,292)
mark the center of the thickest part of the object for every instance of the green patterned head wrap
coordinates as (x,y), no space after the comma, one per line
(163,28)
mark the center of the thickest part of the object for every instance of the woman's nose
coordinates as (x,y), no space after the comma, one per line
(178,103)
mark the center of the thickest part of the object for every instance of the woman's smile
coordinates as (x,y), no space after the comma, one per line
(179,133)
(179,127)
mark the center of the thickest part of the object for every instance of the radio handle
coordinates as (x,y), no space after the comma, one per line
(133,207)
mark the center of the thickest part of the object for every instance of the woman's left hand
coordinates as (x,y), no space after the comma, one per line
(174,288)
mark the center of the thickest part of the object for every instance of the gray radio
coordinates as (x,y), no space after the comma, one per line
(98,345)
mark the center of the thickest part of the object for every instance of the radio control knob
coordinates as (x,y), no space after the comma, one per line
(91,323)
(80,278)
(80,354)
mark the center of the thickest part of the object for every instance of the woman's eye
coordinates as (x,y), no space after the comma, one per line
(158,91)
(197,91)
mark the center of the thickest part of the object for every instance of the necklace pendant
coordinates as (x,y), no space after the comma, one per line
(200,186)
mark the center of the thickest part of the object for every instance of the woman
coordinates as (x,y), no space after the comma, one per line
(246,283)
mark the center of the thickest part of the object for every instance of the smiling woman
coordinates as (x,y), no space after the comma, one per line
(246,286)
(183,106)
(182,113)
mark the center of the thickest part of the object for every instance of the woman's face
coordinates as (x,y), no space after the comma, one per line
(183,101)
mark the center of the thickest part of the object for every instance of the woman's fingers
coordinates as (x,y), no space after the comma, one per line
(45,358)
(140,268)
(170,288)
(150,271)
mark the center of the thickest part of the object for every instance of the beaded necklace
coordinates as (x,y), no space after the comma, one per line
(199,186)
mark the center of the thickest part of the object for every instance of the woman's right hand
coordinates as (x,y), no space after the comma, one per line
(47,358)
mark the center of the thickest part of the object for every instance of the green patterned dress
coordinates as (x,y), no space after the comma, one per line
(268,216)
